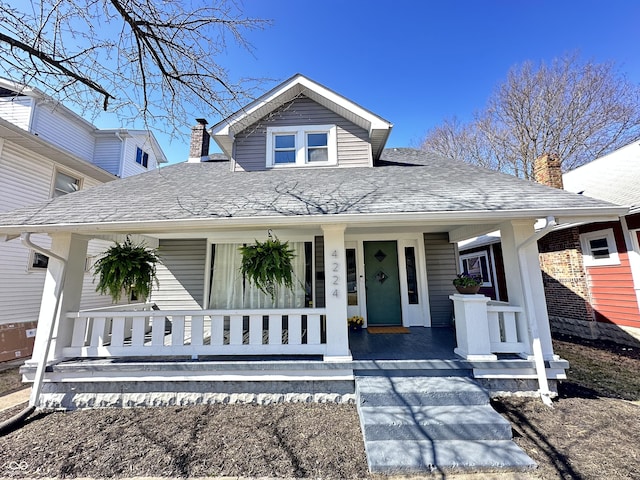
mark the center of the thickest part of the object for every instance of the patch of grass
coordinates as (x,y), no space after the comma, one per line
(606,370)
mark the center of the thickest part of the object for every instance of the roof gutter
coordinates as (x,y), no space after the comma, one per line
(356,219)
(536,344)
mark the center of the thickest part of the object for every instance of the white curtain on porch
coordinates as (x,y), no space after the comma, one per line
(230,291)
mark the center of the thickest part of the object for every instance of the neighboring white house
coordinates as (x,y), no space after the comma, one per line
(47,151)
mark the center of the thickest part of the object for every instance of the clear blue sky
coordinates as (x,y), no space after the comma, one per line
(416,62)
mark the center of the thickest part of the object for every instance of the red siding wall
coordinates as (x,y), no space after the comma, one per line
(613,297)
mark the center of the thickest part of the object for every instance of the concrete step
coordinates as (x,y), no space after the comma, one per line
(413,456)
(414,373)
(408,391)
(468,422)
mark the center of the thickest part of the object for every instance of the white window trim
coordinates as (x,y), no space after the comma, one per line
(587,256)
(301,145)
(478,254)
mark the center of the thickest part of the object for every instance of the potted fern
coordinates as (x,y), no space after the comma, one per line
(268,264)
(127,268)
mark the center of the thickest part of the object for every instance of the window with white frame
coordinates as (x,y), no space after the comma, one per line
(64,184)
(299,146)
(599,248)
(477,265)
(142,157)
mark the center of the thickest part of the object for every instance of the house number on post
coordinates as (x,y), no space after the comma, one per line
(335,273)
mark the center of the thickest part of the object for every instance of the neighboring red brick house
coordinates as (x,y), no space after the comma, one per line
(591,272)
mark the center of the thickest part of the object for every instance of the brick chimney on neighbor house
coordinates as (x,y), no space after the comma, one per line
(199,145)
(547,171)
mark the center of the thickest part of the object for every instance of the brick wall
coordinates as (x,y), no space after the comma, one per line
(564,276)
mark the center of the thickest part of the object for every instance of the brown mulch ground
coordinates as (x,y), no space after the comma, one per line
(591,433)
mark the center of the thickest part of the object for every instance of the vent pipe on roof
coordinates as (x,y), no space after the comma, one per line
(199,145)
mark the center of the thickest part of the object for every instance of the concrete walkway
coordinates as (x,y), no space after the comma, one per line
(15,398)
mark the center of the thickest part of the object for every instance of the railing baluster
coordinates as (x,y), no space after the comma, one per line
(217,330)
(510,328)
(494,326)
(177,330)
(275,329)
(236,329)
(255,330)
(97,332)
(157,331)
(197,330)
(117,331)
(138,331)
(295,329)
(313,329)
(79,337)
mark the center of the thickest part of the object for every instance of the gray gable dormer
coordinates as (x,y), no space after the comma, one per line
(301,124)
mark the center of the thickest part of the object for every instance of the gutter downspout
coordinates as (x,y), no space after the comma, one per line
(536,345)
(121,161)
(36,389)
(37,384)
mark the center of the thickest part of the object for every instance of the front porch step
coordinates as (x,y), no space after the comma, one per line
(451,422)
(414,456)
(416,391)
(418,424)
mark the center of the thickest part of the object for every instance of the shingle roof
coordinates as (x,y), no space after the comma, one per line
(613,178)
(406,180)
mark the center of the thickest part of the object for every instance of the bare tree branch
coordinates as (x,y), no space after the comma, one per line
(141,59)
(578,110)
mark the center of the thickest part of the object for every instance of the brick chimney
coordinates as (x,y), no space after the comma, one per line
(547,171)
(199,145)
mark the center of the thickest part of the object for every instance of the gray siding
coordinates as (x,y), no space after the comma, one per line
(354,149)
(441,270)
(181,275)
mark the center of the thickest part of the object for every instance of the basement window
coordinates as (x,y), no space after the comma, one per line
(599,248)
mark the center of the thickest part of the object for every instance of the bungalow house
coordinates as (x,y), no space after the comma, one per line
(374,232)
(48,151)
(591,270)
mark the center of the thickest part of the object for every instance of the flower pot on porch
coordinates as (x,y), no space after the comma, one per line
(468,290)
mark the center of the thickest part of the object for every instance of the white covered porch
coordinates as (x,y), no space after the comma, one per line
(494,340)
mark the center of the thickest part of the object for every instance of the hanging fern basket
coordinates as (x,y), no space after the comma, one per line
(127,268)
(268,265)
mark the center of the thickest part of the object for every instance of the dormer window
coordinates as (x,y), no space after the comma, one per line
(301,146)
(142,157)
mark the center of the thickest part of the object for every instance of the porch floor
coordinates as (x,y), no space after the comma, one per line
(420,344)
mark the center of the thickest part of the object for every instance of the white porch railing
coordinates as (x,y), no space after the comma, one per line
(148,332)
(508,331)
(485,328)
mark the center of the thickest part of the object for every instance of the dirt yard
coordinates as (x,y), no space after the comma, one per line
(591,433)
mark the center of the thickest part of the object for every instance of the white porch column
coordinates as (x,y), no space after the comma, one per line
(336,293)
(65,281)
(524,267)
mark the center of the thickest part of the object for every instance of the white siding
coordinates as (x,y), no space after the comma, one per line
(108,153)
(16,110)
(63,132)
(181,275)
(25,179)
(354,149)
(130,165)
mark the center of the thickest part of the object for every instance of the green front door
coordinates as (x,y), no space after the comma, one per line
(382,283)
